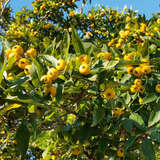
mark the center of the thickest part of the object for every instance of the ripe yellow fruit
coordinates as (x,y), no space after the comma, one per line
(117,111)
(71,13)
(76,152)
(128,57)
(84,69)
(146,69)
(130,70)
(23,62)
(137,71)
(83,58)
(128,19)
(141,89)
(158,21)
(9,76)
(157,88)
(120,153)
(52,91)
(140,100)
(46,79)
(109,93)
(18,49)
(134,88)
(60,65)
(15,55)
(31,52)
(53,73)
(138,82)
(27,69)
(8,52)
(106,55)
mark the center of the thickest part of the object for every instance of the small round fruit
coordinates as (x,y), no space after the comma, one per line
(52,91)
(138,82)
(83,58)
(134,88)
(31,52)
(27,69)
(53,73)
(15,55)
(120,153)
(146,69)
(76,152)
(8,52)
(46,79)
(130,70)
(23,63)
(18,49)
(109,93)
(137,71)
(60,65)
(157,88)
(84,69)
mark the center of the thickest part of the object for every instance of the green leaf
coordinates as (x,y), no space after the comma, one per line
(22,139)
(34,75)
(128,124)
(2,71)
(39,68)
(59,92)
(51,60)
(147,149)
(66,43)
(137,118)
(155,135)
(110,64)
(76,41)
(129,142)
(98,115)
(154,118)
(150,98)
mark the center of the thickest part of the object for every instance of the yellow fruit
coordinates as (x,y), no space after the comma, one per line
(128,57)
(46,79)
(128,19)
(53,157)
(109,93)
(9,76)
(27,69)
(15,55)
(47,26)
(53,73)
(52,91)
(134,88)
(120,153)
(157,88)
(83,58)
(18,49)
(137,71)
(117,111)
(146,69)
(60,65)
(106,55)
(138,82)
(23,63)
(31,52)
(8,52)
(84,69)
(158,21)
(71,13)
(76,152)
(141,89)
(130,70)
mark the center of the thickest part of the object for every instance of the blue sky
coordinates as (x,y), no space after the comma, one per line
(143,6)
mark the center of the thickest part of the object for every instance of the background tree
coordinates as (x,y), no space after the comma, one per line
(79,86)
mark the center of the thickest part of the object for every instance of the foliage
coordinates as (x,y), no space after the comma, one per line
(80,86)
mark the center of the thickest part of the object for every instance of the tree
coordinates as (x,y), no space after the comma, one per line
(77,86)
